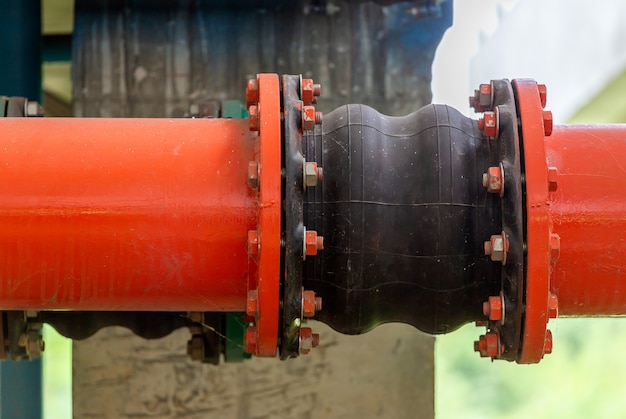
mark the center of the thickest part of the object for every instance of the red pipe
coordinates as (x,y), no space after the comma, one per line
(130,214)
(589,214)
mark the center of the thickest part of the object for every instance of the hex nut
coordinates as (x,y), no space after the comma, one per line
(553,306)
(250,340)
(494,180)
(310,91)
(252,92)
(309,303)
(543,94)
(33,109)
(488,345)
(313,242)
(547,123)
(253,242)
(308,118)
(553,177)
(498,248)
(253,174)
(547,346)
(253,117)
(308,340)
(490,124)
(252,303)
(485,96)
(311,174)
(494,308)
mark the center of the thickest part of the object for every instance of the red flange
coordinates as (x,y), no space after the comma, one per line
(538,221)
(268,291)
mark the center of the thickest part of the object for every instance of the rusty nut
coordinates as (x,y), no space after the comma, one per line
(488,124)
(553,178)
(250,340)
(308,340)
(313,242)
(547,346)
(312,174)
(547,123)
(543,94)
(310,91)
(553,306)
(493,180)
(488,345)
(494,308)
(309,305)
(253,174)
(253,118)
(252,303)
(496,247)
(308,118)
(252,92)
(253,242)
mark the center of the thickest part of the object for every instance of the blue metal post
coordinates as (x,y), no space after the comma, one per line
(20,75)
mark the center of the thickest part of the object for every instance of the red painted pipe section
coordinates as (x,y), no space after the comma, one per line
(125,214)
(589,214)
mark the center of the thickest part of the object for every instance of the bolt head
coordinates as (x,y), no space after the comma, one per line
(306,340)
(311,174)
(252,303)
(555,247)
(490,124)
(547,346)
(488,345)
(493,308)
(309,90)
(308,118)
(547,123)
(484,96)
(252,92)
(250,340)
(498,248)
(308,303)
(543,94)
(494,179)
(253,175)
(313,242)
(553,306)
(253,242)
(253,117)
(553,175)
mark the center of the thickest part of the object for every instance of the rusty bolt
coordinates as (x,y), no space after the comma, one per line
(313,242)
(493,180)
(252,303)
(253,117)
(547,123)
(555,247)
(250,340)
(310,91)
(33,108)
(252,92)
(488,124)
(253,242)
(543,94)
(308,340)
(195,348)
(308,118)
(253,174)
(553,306)
(547,346)
(488,345)
(312,174)
(553,175)
(482,99)
(494,308)
(497,247)
(310,303)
